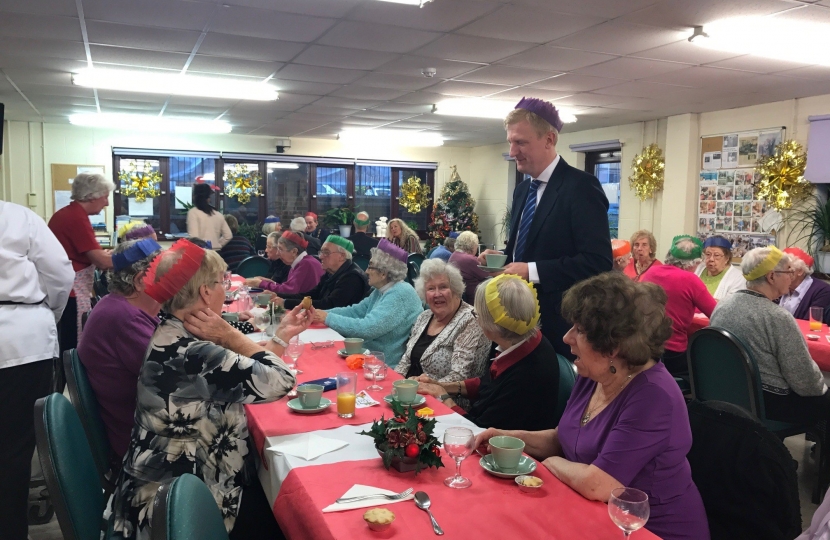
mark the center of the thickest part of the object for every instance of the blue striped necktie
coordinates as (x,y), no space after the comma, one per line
(527,218)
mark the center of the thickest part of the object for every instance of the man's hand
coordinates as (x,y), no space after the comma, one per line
(482,258)
(518,268)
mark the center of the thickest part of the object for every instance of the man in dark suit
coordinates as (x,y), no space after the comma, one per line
(559,231)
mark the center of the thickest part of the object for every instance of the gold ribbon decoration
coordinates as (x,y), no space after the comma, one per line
(414,195)
(142,184)
(242,184)
(767,265)
(649,168)
(779,177)
(497,311)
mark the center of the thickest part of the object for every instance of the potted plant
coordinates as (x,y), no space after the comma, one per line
(811,225)
(340,217)
(405,441)
(504,224)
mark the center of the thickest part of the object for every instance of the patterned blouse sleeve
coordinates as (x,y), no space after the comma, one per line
(469,352)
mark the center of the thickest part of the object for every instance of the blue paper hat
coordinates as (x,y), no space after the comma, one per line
(272,219)
(454,234)
(134,253)
(717,241)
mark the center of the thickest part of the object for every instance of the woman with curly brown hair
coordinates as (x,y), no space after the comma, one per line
(402,236)
(626,422)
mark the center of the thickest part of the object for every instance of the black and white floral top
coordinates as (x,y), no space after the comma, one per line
(190,419)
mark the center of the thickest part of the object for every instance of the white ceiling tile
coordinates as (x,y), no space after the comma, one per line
(141,37)
(27,75)
(318,55)
(435,16)
(700,76)
(571,82)
(472,49)
(652,90)
(366,92)
(609,9)
(123,56)
(314,119)
(380,115)
(586,99)
(421,98)
(347,103)
(29,47)
(630,68)
(526,91)
(314,108)
(303,87)
(118,105)
(52,90)
(621,38)
(399,82)
(136,97)
(39,26)
(232,66)
(319,74)
(413,65)
(249,48)
(183,15)
(63,112)
(317,8)
(375,37)
(535,25)
(556,58)
(41,7)
(756,64)
(507,75)
(41,63)
(686,52)
(467,89)
(270,24)
(685,14)
(404,108)
(60,101)
(809,72)
(205,102)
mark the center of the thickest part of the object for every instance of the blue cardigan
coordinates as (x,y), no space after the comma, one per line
(382,320)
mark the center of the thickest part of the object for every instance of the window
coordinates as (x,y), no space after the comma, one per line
(287,190)
(606,167)
(150,209)
(249,212)
(421,219)
(185,172)
(373,190)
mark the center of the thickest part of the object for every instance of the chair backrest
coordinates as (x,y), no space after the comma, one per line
(567,378)
(68,468)
(253,267)
(429,253)
(416,259)
(722,369)
(362,261)
(184,509)
(86,404)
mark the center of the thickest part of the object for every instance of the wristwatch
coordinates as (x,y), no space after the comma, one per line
(443,397)
(279,341)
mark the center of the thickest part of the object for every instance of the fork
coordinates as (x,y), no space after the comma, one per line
(395,497)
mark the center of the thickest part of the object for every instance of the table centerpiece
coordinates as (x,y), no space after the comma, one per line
(405,441)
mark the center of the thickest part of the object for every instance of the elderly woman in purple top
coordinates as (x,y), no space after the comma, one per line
(626,422)
(305,272)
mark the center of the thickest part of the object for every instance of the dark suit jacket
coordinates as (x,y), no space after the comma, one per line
(363,243)
(569,240)
(345,287)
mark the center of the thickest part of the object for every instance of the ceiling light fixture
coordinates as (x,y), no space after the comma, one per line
(771,37)
(279,165)
(487,108)
(419,3)
(390,137)
(154,82)
(153,123)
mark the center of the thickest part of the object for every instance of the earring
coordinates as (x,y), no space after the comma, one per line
(612,369)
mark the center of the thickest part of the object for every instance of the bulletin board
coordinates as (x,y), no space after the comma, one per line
(727,203)
(62,176)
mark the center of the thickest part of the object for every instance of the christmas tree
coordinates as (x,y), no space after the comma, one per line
(453,211)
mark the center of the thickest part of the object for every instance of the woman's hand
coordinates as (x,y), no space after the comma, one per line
(208,326)
(424,378)
(245,316)
(320,315)
(277,300)
(483,437)
(253,281)
(434,390)
(554,465)
(294,322)
(482,258)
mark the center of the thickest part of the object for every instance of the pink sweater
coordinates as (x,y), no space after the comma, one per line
(303,276)
(686,292)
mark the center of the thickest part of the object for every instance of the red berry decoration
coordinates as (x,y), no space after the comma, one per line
(436,451)
(412,450)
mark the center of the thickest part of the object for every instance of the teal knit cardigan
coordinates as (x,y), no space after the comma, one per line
(382,320)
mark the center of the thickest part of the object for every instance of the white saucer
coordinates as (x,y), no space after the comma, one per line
(344,354)
(491,268)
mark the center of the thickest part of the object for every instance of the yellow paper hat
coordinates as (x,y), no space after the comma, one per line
(497,311)
(767,265)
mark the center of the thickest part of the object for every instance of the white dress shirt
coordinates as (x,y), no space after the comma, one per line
(791,301)
(34,269)
(544,177)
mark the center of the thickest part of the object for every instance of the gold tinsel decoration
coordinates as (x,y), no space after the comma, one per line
(142,184)
(649,167)
(779,177)
(414,195)
(241,184)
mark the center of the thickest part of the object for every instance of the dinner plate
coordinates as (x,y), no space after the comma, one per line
(420,400)
(526,466)
(295,406)
(344,354)
(491,268)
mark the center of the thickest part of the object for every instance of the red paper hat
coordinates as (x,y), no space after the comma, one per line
(311,215)
(798,252)
(201,180)
(165,287)
(296,238)
(620,247)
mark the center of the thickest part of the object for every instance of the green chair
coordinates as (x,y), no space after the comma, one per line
(254,266)
(362,261)
(429,253)
(69,469)
(86,405)
(416,259)
(184,509)
(567,378)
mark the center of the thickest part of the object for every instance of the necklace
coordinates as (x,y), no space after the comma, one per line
(587,417)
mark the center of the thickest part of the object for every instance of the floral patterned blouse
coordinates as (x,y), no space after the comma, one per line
(190,419)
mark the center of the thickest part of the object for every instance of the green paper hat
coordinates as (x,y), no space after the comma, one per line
(342,242)
(361,222)
(696,252)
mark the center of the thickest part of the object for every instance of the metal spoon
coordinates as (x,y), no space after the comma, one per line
(422,502)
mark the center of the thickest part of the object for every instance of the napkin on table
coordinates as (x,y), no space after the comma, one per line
(363,400)
(308,446)
(359,490)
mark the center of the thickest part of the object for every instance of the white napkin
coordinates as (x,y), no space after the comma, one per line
(363,400)
(308,446)
(359,490)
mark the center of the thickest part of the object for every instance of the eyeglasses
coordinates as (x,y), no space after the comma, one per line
(716,256)
(325,252)
(790,272)
(370,267)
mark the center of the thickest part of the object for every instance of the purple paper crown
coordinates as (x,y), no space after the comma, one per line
(544,109)
(391,249)
(140,231)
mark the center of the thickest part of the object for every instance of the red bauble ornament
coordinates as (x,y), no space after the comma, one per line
(412,450)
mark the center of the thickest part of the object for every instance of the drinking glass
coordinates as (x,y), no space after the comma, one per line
(294,350)
(628,508)
(346,393)
(226,281)
(261,253)
(374,362)
(262,321)
(458,444)
(245,302)
(816,317)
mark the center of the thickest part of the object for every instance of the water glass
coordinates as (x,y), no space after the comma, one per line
(816,318)
(346,393)
(262,321)
(294,351)
(373,363)
(226,281)
(458,444)
(629,509)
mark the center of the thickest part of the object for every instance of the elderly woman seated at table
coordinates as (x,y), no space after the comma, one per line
(805,292)
(385,317)
(621,250)
(794,389)
(189,418)
(716,271)
(343,284)
(446,344)
(685,293)
(643,251)
(305,272)
(465,258)
(116,337)
(519,390)
(626,423)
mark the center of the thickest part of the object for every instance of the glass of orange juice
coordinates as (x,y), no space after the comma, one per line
(816,318)
(346,392)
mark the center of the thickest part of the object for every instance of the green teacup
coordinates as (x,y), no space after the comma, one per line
(506,452)
(405,390)
(231,317)
(354,345)
(309,395)
(495,260)
(262,299)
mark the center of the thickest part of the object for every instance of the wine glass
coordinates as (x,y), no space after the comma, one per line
(294,350)
(458,444)
(226,281)
(374,362)
(628,508)
(262,321)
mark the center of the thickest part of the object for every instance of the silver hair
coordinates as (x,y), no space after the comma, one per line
(800,266)
(518,302)
(467,242)
(289,245)
(89,186)
(340,249)
(686,246)
(433,268)
(357,216)
(449,243)
(395,269)
(298,224)
(268,228)
(274,237)
(123,281)
(753,258)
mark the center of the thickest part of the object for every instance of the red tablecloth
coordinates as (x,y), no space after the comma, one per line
(491,508)
(819,350)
